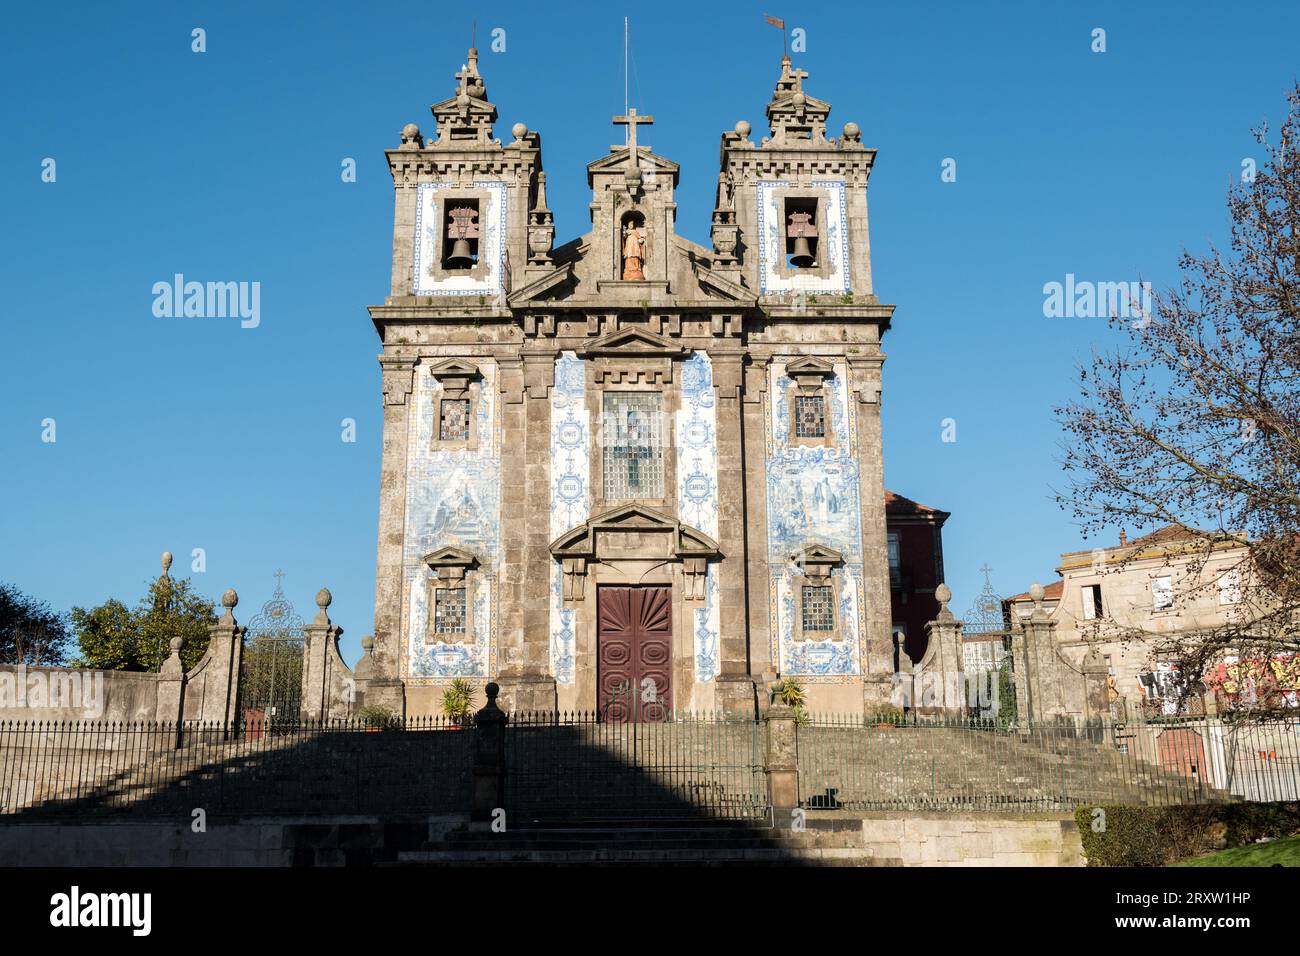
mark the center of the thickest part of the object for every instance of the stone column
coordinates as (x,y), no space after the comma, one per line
(757,573)
(525,678)
(386,687)
(1043,670)
(171,689)
(939,680)
(224,656)
(782,762)
(877,665)
(735,694)
(1096,689)
(325,682)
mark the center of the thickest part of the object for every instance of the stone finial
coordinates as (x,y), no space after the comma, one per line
(323,601)
(943,594)
(491,713)
(175,644)
(166,562)
(411,138)
(743,129)
(367,645)
(852,134)
(229,600)
(519,130)
(172,668)
(1036,593)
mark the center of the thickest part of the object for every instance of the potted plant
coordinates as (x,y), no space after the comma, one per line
(458,702)
(790,692)
(376,718)
(888,718)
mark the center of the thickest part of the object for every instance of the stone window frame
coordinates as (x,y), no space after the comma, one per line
(451,569)
(811,377)
(460,382)
(814,568)
(822,196)
(443,200)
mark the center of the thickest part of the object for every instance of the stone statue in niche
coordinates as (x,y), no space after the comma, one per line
(633,251)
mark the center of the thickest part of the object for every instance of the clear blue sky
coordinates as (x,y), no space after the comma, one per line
(194,433)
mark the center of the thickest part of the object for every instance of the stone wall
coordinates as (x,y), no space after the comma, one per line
(974,839)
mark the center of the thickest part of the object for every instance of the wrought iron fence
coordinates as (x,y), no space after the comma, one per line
(575,767)
(62,767)
(980,764)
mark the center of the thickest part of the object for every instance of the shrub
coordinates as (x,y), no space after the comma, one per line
(1158,836)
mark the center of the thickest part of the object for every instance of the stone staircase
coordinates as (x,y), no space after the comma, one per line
(699,844)
(909,767)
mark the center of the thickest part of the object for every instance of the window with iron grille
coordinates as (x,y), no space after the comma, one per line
(454,419)
(895,560)
(449,611)
(632,452)
(818,611)
(809,416)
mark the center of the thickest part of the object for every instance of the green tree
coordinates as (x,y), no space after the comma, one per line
(115,637)
(30,632)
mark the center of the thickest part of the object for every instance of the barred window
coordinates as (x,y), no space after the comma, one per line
(631,448)
(809,416)
(818,611)
(449,611)
(453,417)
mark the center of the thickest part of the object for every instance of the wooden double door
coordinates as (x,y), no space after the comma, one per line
(634,653)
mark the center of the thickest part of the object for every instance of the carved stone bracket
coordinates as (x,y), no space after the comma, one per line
(398,376)
(864,378)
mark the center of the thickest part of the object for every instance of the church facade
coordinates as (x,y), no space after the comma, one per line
(628,473)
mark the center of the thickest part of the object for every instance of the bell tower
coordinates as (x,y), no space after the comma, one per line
(470,213)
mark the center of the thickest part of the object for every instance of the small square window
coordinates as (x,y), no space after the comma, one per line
(449,611)
(454,419)
(818,609)
(809,416)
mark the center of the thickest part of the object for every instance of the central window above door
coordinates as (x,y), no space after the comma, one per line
(632,446)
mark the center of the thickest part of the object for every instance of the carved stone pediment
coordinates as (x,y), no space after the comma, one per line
(634,343)
(809,372)
(454,376)
(816,560)
(450,557)
(632,532)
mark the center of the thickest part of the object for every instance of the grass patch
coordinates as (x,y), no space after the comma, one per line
(1283,852)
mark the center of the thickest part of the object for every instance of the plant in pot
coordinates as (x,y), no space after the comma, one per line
(375,717)
(791,693)
(458,701)
(888,718)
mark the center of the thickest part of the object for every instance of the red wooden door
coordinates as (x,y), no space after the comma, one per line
(634,641)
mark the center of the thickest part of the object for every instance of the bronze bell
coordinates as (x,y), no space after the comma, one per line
(800,228)
(461,257)
(462,226)
(802,257)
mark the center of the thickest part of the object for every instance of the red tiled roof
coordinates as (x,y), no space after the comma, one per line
(1050,592)
(900,505)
